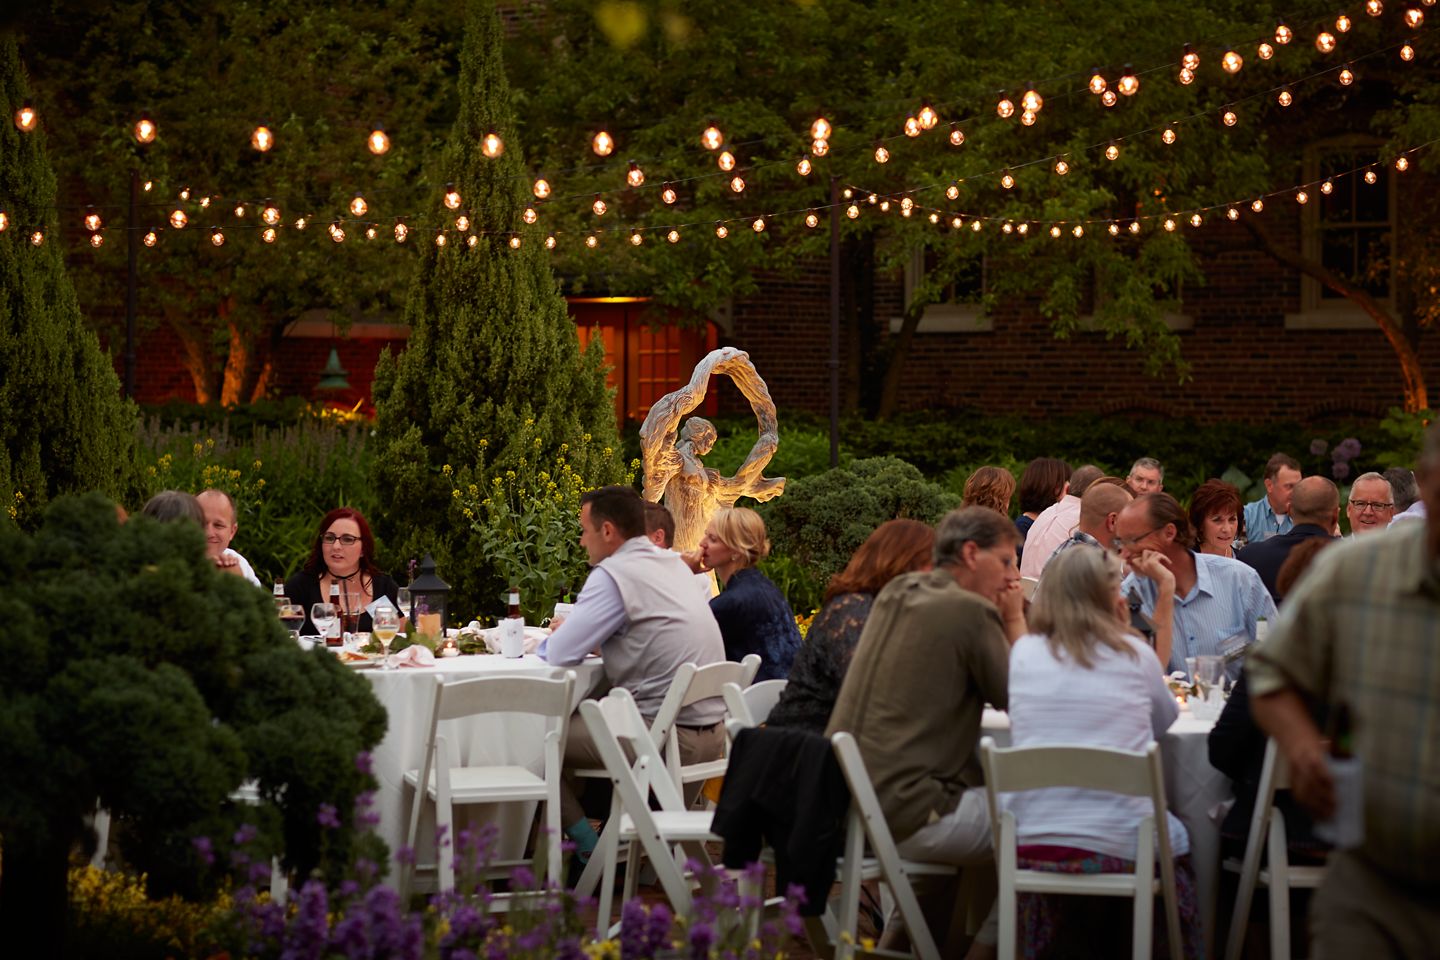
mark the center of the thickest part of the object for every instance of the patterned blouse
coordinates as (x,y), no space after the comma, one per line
(821,663)
(755,617)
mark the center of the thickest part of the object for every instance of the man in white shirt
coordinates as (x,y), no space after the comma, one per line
(640,610)
(1056,523)
(1371,504)
(220,529)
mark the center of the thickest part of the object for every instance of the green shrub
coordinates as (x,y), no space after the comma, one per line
(822,519)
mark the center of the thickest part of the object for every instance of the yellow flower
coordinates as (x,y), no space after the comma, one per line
(257,465)
(209,443)
(445,470)
(469,514)
(484,443)
(585,437)
(607,451)
(455,494)
(259,484)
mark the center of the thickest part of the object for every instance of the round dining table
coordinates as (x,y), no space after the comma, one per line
(408,695)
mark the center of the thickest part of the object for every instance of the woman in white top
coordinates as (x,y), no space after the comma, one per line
(1081,678)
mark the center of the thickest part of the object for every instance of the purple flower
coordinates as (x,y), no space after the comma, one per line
(365,763)
(405,856)
(306,936)
(259,873)
(1340,469)
(204,848)
(1318,446)
(1347,449)
(327,816)
(570,949)
(702,935)
(245,834)
(522,879)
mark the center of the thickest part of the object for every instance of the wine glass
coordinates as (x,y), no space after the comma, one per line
(323,615)
(386,624)
(293,616)
(402,600)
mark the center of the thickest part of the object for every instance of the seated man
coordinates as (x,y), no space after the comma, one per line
(640,610)
(220,528)
(932,654)
(660,528)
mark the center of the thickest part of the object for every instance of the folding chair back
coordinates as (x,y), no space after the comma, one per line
(706,682)
(752,705)
(1091,768)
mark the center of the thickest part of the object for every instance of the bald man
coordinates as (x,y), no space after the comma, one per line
(220,528)
(1101,503)
(1314,510)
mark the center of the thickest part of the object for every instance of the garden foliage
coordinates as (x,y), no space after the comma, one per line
(492,349)
(63,426)
(139,677)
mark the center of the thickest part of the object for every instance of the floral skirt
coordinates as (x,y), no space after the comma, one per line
(1055,926)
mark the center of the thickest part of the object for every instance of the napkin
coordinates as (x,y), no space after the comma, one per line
(415,655)
(533,636)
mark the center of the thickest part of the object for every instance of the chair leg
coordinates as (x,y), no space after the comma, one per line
(1279,857)
(1007,903)
(279,883)
(850,887)
(608,851)
(445,856)
(1144,926)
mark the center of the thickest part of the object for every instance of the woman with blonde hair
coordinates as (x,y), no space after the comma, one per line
(1082,678)
(753,614)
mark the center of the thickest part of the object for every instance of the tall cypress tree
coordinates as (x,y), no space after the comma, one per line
(491,347)
(63,426)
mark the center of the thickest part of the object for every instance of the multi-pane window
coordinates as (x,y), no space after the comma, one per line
(1354,221)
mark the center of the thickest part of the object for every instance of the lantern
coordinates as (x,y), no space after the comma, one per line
(428,595)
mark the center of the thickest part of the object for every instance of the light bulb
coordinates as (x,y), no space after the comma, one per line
(271,214)
(853,211)
(204,202)
(261,139)
(1414,17)
(1055,232)
(217,237)
(26,120)
(452,197)
(1007,181)
(93,221)
(758,225)
(1061,167)
(802,166)
(956,223)
(1008,228)
(1370,177)
(370,233)
(712,138)
(1264,51)
(178,219)
(673,236)
(1032,101)
(301,223)
(529,216)
(38,237)
(1190,60)
(1232,62)
(726,161)
(462,223)
(97,240)
(906,204)
(737,183)
(440,239)
(239,211)
(550,242)
(185,194)
(147,185)
(1374,7)
(1258,206)
(927,116)
(1328,187)
(1134,226)
(1097,83)
(1169,225)
(957,136)
(145,129)
(150,238)
(268,235)
(1078,231)
(1028,118)
(820,129)
(722,231)
(1285,97)
(885,207)
(1342,24)
(378,142)
(1325,41)
(1005,108)
(1283,34)
(514,243)
(811,220)
(1114,229)
(1402,164)
(1196,220)
(471,241)
(1232,214)
(1302,198)
(1112,152)
(4,221)
(592,241)
(491,145)
(820,147)
(634,175)
(1346,76)
(1168,136)
(336,233)
(668,195)
(934,218)
(1186,76)
(603,144)
(952,192)
(1129,83)
(598,207)
(402,232)
(881,154)
(1230,118)
(358,206)
(1407,53)
(912,127)
(1109,98)
(541,189)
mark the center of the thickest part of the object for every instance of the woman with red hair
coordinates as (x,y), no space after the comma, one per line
(1217,517)
(343,555)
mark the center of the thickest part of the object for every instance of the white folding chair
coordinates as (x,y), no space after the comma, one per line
(867,821)
(1091,768)
(446,780)
(752,705)
(619,732)
(707,682)
(1267,833)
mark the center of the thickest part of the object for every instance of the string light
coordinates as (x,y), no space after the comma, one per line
(712,139)
(603,144)
(147,185)
(812,220)
(1078,231)
(1232,61)
(217,237)
(541,189)
(912,127)
(1186,76)
(1283,34)
(853,211)
(1284,97)
(1327,188)
(440,239)
(726,161)
(1109,99)
(1346,76)
(529,216)
(26,120)
(881,154)
(1302,198)
(301,223)
(598,207)
(1129,83)
(1230,118)
(268,235)
(1407,53)
(1061,168)
(514,243)
(239,211)
(1032,101)
(38,237)
(1402,164)
(204,203)
(722,231)
(934,218)
(957,136)
(976,226)
(145,129)
(262,140)
(885,207)
(737,183)
(1007,228)
(1114,229)
(402,232)
(1414,17)
(1264,51)
(1258,206)
(1370,177)
(802,166)
(820,129)
(1232,214)
(1196,220)
(1374,7)
(1325,41)
(952,192)
(150,238)
(1168,136)
(1028,118)
(93,221)
(592,241)
(668,194)
(1134,226)
(927,116)
(820,147)
(185,194)
(1055,232)
(358,206)
(673,236)
(370,233)
(634,175)
(4,221)
(1190,60)
(1112,152)
(378,142)
(956,222)
(550,242)
(97,240)
(1169,225)
(758,225)
(491,145)
(271,214)
(906,204)
(178,219)
(462,223)
(1007,181)
(1005,108)
(337,233)
(452,197)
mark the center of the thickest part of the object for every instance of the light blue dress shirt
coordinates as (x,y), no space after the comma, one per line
(1261,523)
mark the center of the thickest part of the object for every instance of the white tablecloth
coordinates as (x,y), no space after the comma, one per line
(1193,789)
(499,738)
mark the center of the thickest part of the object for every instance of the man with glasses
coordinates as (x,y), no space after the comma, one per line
(1217,599)
(1372,504)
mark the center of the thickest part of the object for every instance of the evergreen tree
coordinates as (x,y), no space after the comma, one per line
(63,426)
(491,348)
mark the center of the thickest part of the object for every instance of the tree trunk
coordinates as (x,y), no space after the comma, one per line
(1412,374)
(34,898)
(895,369)
(198,357)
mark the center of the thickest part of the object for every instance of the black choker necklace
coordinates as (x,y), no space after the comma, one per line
(336,576)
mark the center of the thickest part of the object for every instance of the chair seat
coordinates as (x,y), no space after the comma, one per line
(1095,884)
(674,825)
(486,784)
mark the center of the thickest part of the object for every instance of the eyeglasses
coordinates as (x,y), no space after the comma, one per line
(345,540)
(1121,543)
(1376,505)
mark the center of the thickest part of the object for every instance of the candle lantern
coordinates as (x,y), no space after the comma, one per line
(428,595)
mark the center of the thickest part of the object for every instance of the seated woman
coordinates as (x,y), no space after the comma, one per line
(753,614)
(1041,484)
(1081,678)
(343,555)
(896,547)
(1217,517)
(991,487)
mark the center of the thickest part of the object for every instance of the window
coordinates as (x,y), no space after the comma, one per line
(959,308)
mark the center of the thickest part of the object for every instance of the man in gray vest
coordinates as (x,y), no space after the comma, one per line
(640,611)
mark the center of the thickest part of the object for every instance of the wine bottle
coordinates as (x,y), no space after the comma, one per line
(513,610)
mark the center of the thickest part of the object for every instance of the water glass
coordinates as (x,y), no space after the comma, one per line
(1209,697)
(324,615)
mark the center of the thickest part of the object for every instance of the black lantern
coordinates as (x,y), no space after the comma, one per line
(427,599)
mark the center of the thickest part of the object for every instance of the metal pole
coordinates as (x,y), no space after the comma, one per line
(133,248)
(834,321)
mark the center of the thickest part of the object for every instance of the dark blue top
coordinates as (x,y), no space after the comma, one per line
(754,617)
(1269,555)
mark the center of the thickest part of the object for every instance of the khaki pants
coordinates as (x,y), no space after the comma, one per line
(696,746)
(961,837)
(1359,912)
